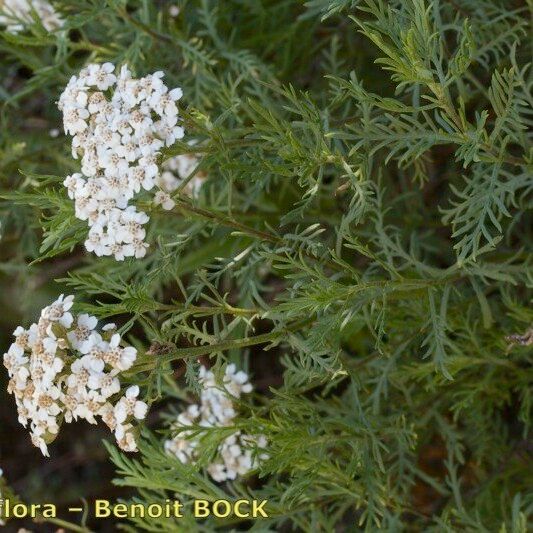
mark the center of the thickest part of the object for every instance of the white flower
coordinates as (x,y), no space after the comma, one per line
(83,338)
(218,472)
(139,121)
(236,382)
(58,311)
(85,206)
(40,443)
(112,161)
(101,76)
(128,149)
(130,227)
(74,185)
(20,377)
(148,144)
(96,103)
(93,361)
(164,200)
(47,405)
(89,165)
(164,103)
(139,248)
(169,132)
(78,378)
(98,242)
(125,438)
(90,406)
(49,373)
(149,166)
(75,120)
(108,384)
(130,406)
(117,357)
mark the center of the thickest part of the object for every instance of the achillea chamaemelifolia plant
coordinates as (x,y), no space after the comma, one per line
(310,221)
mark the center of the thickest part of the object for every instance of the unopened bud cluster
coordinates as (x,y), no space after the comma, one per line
(217,409)
(118,126)
(62,369)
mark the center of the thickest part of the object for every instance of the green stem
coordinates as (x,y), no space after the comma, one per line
(206,310)
(198,351)
(228,222)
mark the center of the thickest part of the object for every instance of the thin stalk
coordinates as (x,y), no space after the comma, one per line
(228,222)
(208,311)
(198,351)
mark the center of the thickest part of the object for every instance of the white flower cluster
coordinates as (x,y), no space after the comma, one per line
(62,369)
(216,409)
(15,14)
(118,125)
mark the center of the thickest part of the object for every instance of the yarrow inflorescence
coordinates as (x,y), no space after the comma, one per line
(62,369)
(118,126)
(216,409)
(15,14)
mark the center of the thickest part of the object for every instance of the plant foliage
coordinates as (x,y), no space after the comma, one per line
(362,246)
